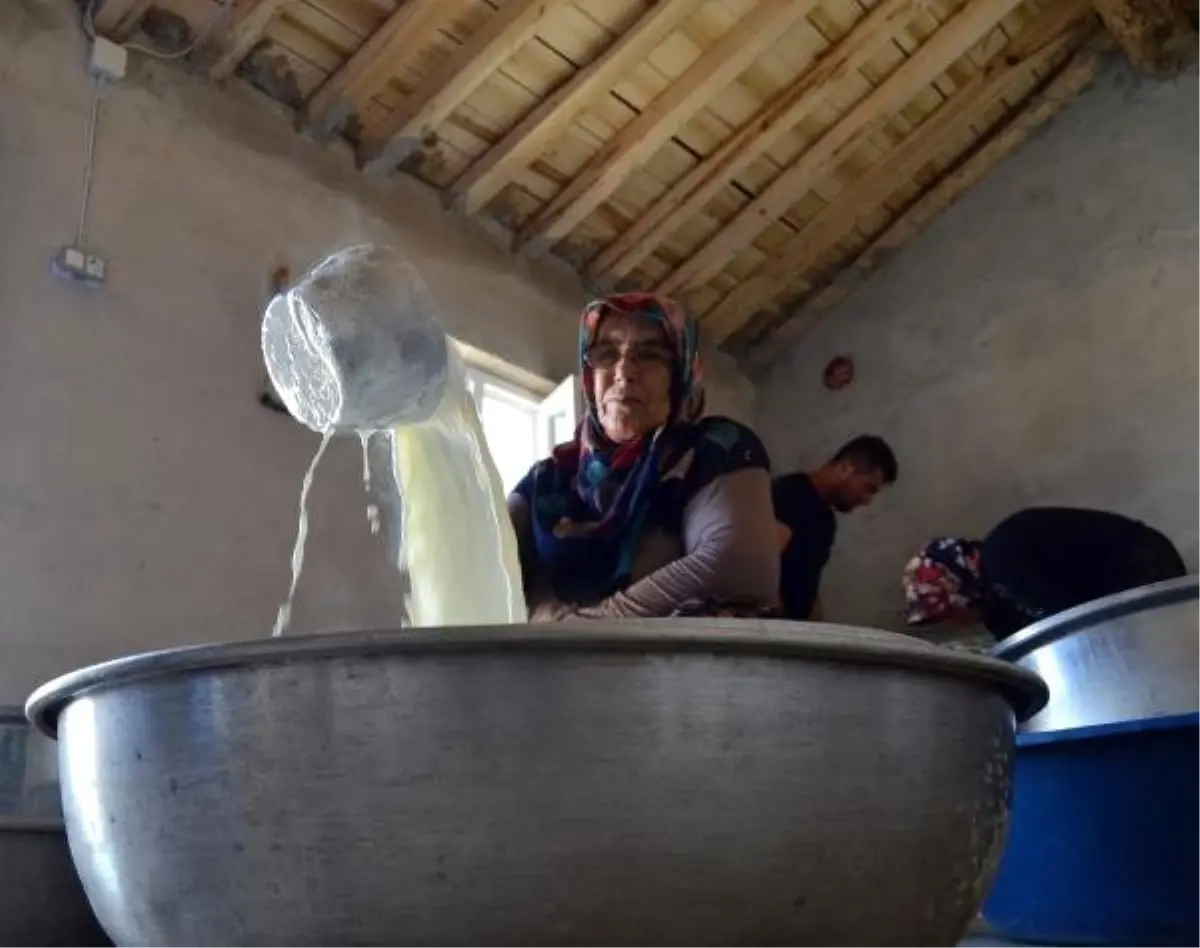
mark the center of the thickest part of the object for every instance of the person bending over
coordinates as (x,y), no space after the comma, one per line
(652,510)
(1036,563)
(804,508)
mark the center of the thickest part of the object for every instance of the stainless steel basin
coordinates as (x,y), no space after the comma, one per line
(41,899)
(1122,658)
(700,782)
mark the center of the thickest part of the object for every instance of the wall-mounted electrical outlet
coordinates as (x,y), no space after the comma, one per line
(79,265)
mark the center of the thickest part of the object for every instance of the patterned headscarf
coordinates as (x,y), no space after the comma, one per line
(600,460)
(943,580)
(590,501)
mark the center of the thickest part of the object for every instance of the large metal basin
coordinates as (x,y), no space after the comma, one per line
(1122,658)
(673,782)
(41,899)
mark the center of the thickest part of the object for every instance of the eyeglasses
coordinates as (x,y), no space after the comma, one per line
(605,355)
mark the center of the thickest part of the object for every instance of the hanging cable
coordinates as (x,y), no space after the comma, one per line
(89,159)
(98,84)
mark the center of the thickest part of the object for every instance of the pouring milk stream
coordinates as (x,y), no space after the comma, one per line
(356,348)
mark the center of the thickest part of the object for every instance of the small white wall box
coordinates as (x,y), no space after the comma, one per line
(108,59)
(79,265)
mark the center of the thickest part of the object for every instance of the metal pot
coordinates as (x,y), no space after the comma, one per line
(1102,840)
(707,782)
(1122,658)
(28,770)
(41,899)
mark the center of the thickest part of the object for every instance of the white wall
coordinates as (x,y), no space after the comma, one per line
(146,499)
(1038,344)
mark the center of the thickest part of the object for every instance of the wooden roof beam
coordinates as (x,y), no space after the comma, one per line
(521,145)
(410,27)
(955,37)
(400,134)
(248,24)
(1050,38)
(692,193)
(117,19)
(633,145)
(1154,34)
(1070,79)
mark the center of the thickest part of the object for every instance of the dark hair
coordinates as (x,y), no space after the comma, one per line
(869,453)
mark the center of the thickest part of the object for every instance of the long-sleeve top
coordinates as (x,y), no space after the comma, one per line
(726,549)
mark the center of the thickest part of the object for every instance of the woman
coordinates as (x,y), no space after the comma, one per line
(1035,564)
(651,510)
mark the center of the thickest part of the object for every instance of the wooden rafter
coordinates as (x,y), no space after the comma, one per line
(955,37)
(484,179)
(692,193)
(399,134)
(248,22)
(1044,103)
(410,27)
(117,19)
(716,68)
(1154,34)
(1057,31)
(478,136)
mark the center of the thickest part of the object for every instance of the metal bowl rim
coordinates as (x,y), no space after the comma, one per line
(12,714)
(31,824)
(1023,689)
(1090,614)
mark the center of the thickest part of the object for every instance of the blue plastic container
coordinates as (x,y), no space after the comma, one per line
(1103,838)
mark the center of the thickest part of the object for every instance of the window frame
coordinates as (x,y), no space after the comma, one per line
(515,395)
(483,383)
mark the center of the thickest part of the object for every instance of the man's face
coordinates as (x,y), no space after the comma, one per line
(855,488)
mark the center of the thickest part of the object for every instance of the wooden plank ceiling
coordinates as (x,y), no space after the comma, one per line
(752,157)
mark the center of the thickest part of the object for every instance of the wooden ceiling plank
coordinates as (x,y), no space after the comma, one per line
(634,144)
(410,27)
(521,145)
(1057,30)
(1154,34)
(945,46)
(1064,85)
(248,22)
(754,138)
(117,19)
(457,77)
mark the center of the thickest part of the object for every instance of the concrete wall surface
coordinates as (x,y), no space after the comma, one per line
(146,499)
(1036,345)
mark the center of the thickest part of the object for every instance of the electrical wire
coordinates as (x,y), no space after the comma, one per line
(223,8)
(98,83)
(89,159)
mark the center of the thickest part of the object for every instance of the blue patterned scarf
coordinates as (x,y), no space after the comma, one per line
(592,499)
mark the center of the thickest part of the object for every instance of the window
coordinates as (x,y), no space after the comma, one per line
(509,419)
(520,427)
(557,415)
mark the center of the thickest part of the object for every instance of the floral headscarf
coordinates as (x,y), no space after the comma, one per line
(592,499)
(598,460)
(943,580)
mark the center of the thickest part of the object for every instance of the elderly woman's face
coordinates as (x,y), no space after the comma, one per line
(631,363)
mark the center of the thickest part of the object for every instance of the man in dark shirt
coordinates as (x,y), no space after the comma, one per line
(805,505)
(1036,563)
